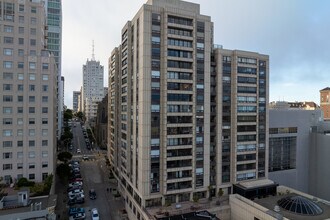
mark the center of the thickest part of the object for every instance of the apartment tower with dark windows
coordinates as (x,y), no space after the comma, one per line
(186,118)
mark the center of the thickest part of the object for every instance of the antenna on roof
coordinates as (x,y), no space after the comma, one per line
(93,55)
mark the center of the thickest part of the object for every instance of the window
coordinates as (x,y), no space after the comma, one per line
(20,121)
(7,166)
(45,88)
(21,8)
(7,64)
(32,121)
(32,132)
(7,76)
(20,166)
(33,20)
(45,121)
(45,66)
(44,132)
(20,87)
(7,121)
(33,42)
(33,10)
(20,132)
(21,30)
(44,110)
(7,144)
(7,155)
(33,31)
(20,76)
(32,154)
(21,19)
(32,76)
(45,77)
(45,99)
(32,66)
(19,98)
(8,40)
(7,110)
(8,29)
(7,98)
(44,164)
(32,98)
(44,143)
(20,65)
(33,53)
(19,110)
(7,51)
(44,153)
(31,176)
(7,87)
(21,41)
(7,133)
(19,143)
(19,155)
(20,52)
(32,165)
(32,143)
(32,87)
(32,110)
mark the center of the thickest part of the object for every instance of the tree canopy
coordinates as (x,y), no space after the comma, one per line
(64,156)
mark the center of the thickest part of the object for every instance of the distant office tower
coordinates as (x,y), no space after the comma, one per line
(185,119)
(325,102)
(75,100)
(54,45)
(92,89)
(28,103)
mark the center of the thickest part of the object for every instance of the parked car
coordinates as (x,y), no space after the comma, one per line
(75,210)
(79,216)
(95,214)
(74,188)
(77,183)
(76,195)
(76,200)
(75,175)
(76,191)
(76,180)
(92,194)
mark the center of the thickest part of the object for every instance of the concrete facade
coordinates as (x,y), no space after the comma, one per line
(75,100)
(280,120)
(28,79)
(173,130)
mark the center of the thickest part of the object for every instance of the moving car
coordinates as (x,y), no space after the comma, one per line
(95,214)
(78,151)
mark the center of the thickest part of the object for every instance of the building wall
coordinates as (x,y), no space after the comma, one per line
(303,120)
(75,101)
(319,162)
(28,81)
(325,103)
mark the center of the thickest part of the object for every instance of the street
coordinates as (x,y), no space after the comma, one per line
(95,176)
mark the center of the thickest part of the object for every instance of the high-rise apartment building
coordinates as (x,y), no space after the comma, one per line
(54,45)
(325,102)
(186,118)
(75,100)
(28,80)
(92,89)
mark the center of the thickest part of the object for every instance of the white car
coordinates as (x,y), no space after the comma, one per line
(95,214)
(78,151)
(75,192)
(73,196)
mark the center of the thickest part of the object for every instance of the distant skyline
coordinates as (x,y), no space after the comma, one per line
(293,33)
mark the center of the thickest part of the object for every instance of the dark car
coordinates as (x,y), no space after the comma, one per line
(76,200)
(92,194)
(75,210)
(79,216)
(73,188)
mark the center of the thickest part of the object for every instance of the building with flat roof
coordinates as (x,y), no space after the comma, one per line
(75,101)
(28,78)
(187,118)
(325,102)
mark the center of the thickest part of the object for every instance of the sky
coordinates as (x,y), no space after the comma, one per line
(295,34)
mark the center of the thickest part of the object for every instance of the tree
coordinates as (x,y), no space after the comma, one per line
(63,171)
(64,156)
(80,115)
(68,114)
(220,192)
